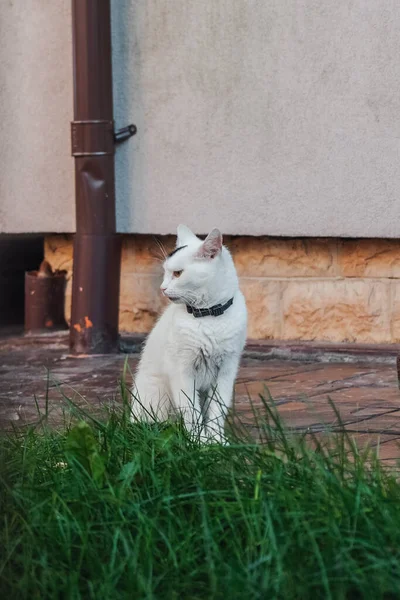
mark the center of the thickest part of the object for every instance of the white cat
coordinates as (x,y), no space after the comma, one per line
(191,357)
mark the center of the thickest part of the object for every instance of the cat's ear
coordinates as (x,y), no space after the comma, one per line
(211,246)
(184,236)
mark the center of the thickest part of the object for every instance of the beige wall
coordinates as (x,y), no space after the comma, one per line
(296,289)
(277,117)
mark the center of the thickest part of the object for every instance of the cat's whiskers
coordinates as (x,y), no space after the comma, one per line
(185,297)
(161,246)
(157,257)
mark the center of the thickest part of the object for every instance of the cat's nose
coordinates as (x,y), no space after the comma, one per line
(163,288)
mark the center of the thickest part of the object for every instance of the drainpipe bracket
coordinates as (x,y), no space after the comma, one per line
(92,138)
(120,135)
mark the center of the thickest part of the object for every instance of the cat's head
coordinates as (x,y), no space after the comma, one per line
(197,271)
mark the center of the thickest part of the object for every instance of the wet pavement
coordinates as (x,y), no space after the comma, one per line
(38,374)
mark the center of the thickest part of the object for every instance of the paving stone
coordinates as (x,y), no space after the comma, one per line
(365,394)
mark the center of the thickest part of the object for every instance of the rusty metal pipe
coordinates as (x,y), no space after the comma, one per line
(44,301)
(97,250)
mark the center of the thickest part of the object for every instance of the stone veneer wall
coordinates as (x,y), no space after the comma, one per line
(296,289)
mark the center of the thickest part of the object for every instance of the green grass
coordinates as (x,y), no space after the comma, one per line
(110,510)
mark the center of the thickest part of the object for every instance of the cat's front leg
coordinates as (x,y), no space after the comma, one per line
(220,400)
(185,398)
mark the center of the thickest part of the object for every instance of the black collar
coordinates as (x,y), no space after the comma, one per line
(214,311)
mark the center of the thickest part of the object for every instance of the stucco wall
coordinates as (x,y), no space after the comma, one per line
(36,170)
(277,117)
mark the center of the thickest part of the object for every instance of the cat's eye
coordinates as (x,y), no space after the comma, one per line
(177,273)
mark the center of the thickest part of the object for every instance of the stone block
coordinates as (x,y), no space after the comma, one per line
(58,251)
(145,253)
(395,313)
(280,257)
(141,302)
(336,311)
(369,258)
(263,305)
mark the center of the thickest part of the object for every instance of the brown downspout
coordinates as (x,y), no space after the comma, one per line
(97,250)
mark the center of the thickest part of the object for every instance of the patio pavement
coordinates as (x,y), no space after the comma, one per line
(365,390)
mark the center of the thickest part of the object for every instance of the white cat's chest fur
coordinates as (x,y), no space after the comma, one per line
(180,342)
(202,345)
